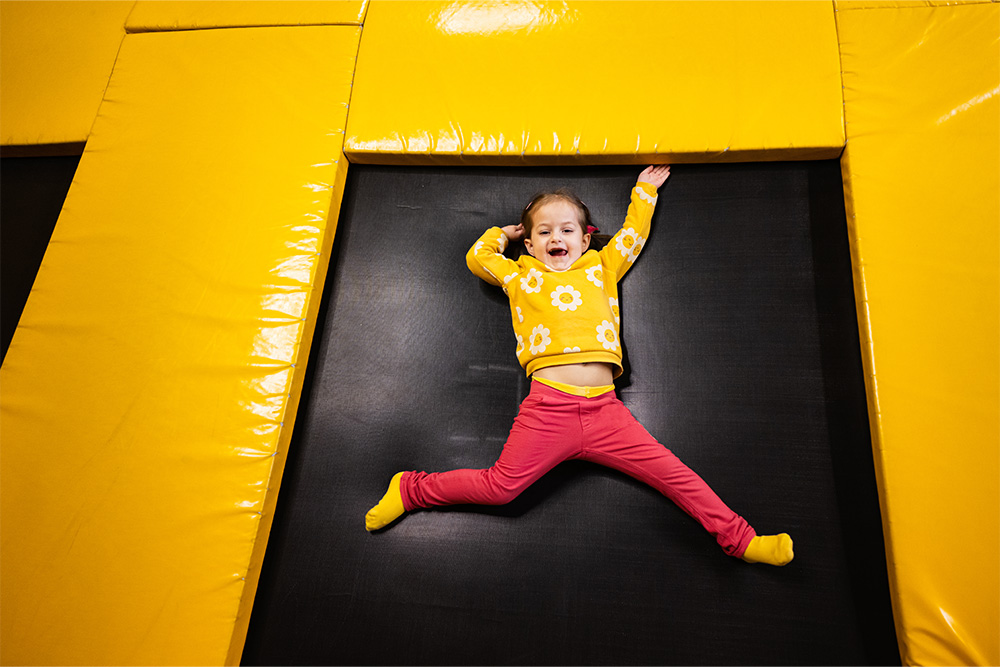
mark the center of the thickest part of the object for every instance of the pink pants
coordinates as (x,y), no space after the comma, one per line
(553,426)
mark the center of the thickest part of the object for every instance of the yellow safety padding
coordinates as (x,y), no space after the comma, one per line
(160,15)
(55,62)
(553,82)
(922,92)
(149,391)
(850,5)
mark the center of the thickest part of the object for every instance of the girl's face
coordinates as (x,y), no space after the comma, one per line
(557,236)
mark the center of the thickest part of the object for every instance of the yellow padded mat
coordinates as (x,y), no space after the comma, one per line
(155,15)
(495,83)
(851,5)
(55,62)
(922,92)
(148,391)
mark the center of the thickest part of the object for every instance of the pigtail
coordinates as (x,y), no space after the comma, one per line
(598,241)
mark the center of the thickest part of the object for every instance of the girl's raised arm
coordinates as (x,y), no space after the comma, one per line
(618,256)
(486,259)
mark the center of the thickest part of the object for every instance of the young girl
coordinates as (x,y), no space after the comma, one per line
(564,308)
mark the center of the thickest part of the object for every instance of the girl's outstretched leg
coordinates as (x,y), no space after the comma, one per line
(617,440)
(545,433)
(388,509)
(770,549)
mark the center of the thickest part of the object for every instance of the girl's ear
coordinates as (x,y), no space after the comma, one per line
(586,242)
(527,245)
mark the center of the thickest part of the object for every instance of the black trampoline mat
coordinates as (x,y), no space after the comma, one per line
(742,356)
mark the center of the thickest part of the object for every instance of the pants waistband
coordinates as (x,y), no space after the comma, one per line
(586,392)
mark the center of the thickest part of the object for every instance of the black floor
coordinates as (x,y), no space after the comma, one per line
(32,191)
(742,357)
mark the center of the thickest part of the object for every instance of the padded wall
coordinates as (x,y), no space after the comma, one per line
(617,82)
(156,15)
(921,171)
(149,389)
(55,62)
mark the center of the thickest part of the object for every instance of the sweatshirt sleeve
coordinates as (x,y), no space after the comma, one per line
(621,251)
(486,260)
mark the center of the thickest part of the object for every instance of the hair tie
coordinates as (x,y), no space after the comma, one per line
(592,230)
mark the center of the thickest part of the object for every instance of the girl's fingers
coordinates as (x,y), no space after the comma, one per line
(655,174)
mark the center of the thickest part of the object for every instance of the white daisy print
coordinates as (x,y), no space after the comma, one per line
(479,246)
(539,339)
(520,317)
(607,336)
(570,349)
(625,240)
(533,281)
(646,197)
(502,242)
(614,309)
(566,298)
(520,345)
(636,248)
(595,275)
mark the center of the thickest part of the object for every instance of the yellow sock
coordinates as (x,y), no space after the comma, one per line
(770,549)
(388,509)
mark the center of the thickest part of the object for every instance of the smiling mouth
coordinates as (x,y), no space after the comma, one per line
(558,252)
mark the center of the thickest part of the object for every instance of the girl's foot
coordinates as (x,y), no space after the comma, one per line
(770,549)
(389,508)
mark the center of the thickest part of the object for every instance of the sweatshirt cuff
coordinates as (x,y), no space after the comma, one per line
(646,187)
(646,192)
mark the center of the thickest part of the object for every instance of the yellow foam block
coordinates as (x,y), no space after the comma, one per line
(55,61)
(156,15)
(850,5)
(551,82)
(149,390)
(922,92)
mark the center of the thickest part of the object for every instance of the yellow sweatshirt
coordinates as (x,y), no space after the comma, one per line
(571,316)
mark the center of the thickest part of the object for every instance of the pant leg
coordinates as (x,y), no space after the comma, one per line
(546,432)
(614,438)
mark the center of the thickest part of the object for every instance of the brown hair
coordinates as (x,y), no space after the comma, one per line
(543,198)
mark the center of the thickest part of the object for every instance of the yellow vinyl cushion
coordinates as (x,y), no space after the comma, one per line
(149,391)
(55,62)
(637,82)
(922,91)
(156,15)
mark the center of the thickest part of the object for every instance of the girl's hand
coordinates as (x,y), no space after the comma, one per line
(513,232)
(656,175)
